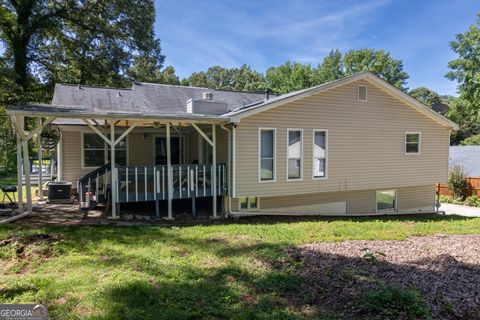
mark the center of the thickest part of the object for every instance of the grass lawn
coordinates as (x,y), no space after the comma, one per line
(13,181)
(203,272)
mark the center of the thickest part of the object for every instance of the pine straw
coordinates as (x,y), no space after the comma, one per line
(445,270)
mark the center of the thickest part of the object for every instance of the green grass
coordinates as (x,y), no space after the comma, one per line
(201,272)
(13,181)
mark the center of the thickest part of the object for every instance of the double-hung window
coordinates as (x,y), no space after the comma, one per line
(412,142)
(319,153)
(267,154)
(93,150)
(294,154)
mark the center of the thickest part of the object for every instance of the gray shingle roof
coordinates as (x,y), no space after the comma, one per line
(144,97)
(468,157)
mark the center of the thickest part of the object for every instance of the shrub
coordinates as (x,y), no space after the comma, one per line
(445,199)
(394,302)
(457,182)
(472,201)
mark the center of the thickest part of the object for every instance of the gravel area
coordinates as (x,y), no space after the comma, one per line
(444,269)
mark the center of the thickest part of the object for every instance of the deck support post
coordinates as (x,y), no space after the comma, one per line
(19,174)
(169,174)
(26,169)
(113,187)
(40,164)
(214,182)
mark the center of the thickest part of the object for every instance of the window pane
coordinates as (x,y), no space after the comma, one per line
(92,141)
(412,147)
(294,144)
(319,168)
(294,168)
(320,144)
(386,200)
(243,203)
(266,143)
(93,158)
(122,145)
(253,202)
(266,169)
(413,137)
(120,157)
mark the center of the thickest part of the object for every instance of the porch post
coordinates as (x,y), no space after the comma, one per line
(26,169)
(113,186)
(214,162)
(169,174)
(19,174)
(40,160)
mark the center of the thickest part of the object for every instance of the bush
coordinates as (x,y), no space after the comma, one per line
(394,302)
(445,199)
(472,201)
(457,182)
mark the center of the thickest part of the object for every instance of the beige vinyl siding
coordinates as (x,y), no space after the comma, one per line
(140,149)
(409,200)
(366,144)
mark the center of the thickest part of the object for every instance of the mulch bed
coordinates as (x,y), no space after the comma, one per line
(444,269)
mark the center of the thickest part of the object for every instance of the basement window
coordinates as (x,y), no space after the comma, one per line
(362,93)
(248,203)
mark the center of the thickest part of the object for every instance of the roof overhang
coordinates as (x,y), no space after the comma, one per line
(236,116)
(68,112)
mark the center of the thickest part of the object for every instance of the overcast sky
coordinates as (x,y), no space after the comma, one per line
(199,34)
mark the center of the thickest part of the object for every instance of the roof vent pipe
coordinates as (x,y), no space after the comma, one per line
(208,95)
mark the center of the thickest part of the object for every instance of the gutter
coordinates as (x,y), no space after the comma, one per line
(14,218)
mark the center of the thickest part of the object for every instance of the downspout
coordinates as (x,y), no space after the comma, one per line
(230,184)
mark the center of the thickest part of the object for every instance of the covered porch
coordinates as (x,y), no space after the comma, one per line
(162,163)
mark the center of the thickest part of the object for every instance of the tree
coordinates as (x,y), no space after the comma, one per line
(466,71)
(93,42)
(426,96)
(471,141)
(378,62)
(220,78)
(290,76)
(330,69)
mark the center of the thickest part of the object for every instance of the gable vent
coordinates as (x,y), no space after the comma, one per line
(362,93)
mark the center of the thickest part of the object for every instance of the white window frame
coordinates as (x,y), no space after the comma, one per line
(395,209)
(105,149)
(326,154)
(419,144)
(301,155)
(366,92)
(260,154)
(248,204)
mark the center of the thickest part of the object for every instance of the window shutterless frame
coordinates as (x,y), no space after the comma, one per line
(358,92)
(248,202)
(326,154)
(105,148)
(274,173)
(395,209)
(300,178)
(419,143)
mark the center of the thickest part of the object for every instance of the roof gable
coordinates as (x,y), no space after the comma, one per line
(249,110)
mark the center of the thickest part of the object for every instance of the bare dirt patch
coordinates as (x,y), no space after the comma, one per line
(36,245)
(445,270)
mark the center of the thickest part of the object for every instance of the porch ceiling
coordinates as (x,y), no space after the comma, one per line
(121,118)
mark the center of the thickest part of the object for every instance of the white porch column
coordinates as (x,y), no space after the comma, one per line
(40,164)
(19,174)
(26,169)
(214,162)
(169,174)
(113,171)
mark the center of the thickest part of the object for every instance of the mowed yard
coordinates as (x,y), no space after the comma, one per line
(265,268)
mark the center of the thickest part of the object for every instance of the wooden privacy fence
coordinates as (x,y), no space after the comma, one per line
(473,188)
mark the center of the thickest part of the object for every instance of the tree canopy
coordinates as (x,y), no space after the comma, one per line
(426,96)
(465,69)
